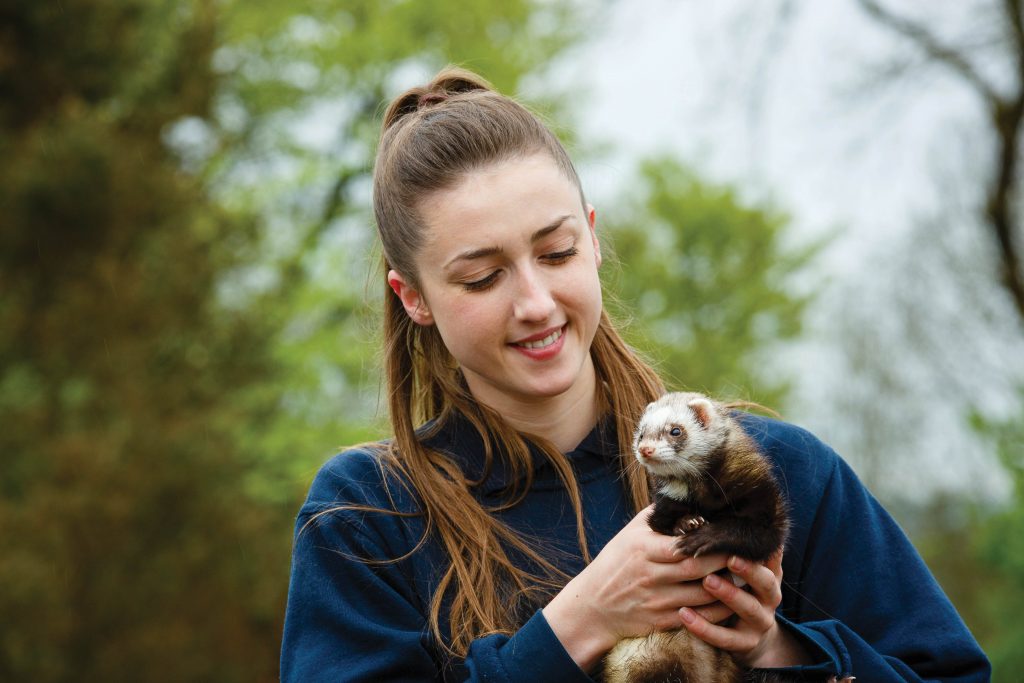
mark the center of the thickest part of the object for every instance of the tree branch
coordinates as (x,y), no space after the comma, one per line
(932,46)
(1012,8)
(1007,120)
(1007,117)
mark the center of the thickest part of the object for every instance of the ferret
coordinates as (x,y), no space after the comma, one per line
(716,492)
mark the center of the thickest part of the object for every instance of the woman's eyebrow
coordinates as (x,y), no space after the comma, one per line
(491,251)
(548,229)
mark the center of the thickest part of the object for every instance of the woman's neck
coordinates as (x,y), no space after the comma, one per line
(563,423)
(564,420)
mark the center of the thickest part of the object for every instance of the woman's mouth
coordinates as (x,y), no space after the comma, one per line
(542,343)
(542,348)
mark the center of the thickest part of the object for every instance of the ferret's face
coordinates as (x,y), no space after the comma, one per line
(667,441)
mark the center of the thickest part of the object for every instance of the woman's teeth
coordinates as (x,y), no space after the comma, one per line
(541,343)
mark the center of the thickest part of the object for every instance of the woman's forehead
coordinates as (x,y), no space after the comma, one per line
(507,202)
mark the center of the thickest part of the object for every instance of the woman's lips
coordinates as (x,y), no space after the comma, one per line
(542,346)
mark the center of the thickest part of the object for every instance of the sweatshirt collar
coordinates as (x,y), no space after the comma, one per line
(459,439)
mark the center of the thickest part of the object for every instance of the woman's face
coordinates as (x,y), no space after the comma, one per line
(508,274)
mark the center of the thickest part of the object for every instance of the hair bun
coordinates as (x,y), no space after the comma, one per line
(427,99)
(453,80)
(448,82)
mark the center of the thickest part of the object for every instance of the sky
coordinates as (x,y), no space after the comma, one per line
(788,106)
(779,106)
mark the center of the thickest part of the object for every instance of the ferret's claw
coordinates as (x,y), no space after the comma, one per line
(696,544)
(689,524)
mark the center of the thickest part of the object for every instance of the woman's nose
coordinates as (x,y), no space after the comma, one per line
(534,301)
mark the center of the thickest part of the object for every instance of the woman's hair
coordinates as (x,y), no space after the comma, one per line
(432,137)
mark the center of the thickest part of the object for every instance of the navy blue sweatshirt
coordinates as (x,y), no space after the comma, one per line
(855,592)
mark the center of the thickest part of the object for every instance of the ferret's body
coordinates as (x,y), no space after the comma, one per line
(714,490)
(670,657)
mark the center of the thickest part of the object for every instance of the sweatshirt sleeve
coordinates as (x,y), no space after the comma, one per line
(860,597)
(353,620)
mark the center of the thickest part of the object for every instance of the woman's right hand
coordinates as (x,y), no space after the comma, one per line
(636,585)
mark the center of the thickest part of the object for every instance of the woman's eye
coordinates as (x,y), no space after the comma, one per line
(676,431)
(560,256)
(482,283)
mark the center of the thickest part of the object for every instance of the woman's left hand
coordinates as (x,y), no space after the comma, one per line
(755,639)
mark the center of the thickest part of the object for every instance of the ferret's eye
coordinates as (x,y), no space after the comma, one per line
(676,431)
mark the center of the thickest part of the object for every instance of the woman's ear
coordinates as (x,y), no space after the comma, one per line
(592,222)
(412,300)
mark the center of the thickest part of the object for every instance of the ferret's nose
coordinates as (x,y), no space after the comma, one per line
(646,451)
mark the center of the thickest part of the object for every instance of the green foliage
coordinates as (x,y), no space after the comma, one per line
(301,99)
(183,335)
(1000,551)
(707,282)
(976,551)
(124,522)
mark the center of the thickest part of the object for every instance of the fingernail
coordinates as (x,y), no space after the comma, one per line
(687,615)
(737,563)
(712,581)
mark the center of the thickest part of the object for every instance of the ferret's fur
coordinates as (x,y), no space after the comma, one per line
(714,490)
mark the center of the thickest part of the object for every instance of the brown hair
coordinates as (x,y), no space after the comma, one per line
(432,137)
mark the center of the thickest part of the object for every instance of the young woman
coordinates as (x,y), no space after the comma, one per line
(501,535)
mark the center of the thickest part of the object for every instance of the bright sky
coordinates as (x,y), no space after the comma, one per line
(789,119)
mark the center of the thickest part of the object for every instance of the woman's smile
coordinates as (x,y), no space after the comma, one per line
(542,346)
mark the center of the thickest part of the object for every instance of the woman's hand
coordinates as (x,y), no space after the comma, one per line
(756,640)
(636,585)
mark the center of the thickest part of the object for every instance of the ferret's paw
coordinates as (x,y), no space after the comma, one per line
(697,542)
(688,524)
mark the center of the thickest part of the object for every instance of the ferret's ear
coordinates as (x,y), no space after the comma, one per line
(702,410)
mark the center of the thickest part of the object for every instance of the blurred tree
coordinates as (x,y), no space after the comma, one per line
(977,553)
(293,134)
(708,282)
(161,347)
(1000,552)
(1004,105)
(130,551)
(971,333)
(946,300)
